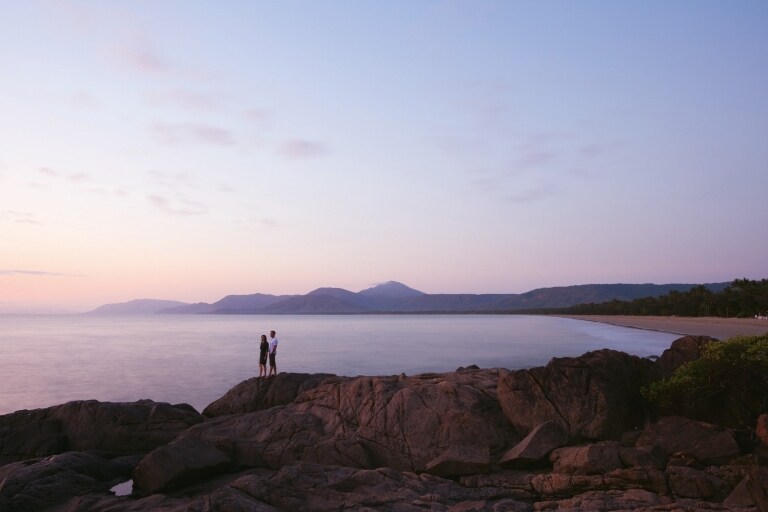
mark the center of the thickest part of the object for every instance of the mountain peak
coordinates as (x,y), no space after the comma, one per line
(391,289)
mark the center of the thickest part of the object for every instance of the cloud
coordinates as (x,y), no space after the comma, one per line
(20,217)
(178,206)
(190,133)
(12,272)
(142,59)
(302,149)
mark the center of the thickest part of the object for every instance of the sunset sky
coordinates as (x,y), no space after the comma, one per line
(189,150)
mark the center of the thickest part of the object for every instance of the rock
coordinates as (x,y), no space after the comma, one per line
(406,423)
(642,456)
(257,394)
(178,463)
(633,499)
(30,434)
(536,446)
(682,350)
(594,396)
(460,460)
(692,483)
(761,430)
(592,459)
(739,496)
(110,428)
(38,484)
(706,443)
(757,485)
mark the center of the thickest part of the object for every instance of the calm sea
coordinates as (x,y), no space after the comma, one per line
(48,360)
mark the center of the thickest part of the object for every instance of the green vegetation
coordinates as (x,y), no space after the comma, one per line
(742,298)
(727,385)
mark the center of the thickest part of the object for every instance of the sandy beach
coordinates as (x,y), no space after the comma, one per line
(720,328)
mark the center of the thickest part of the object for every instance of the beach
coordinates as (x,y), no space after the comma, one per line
(716,327)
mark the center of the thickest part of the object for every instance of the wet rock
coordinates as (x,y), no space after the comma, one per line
(641,456)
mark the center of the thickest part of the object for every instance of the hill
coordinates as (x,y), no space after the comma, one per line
(137,307)
(394,297)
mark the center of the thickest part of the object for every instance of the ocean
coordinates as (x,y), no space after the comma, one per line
(51,359)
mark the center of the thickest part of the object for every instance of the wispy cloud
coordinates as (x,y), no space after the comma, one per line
(304,149)
(177,206)
(142,58)
(20,217)
(190,133)
(12,272)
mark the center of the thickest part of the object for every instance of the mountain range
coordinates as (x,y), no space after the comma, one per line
(394,297)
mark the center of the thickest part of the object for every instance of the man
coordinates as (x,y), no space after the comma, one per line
(272,354)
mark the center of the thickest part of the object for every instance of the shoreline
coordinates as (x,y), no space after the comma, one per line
(716,327)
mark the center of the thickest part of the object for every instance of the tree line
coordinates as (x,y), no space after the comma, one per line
(742,298)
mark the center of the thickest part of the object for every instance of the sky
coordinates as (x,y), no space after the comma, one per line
(189,150)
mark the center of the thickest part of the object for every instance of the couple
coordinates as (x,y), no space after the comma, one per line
(271,349)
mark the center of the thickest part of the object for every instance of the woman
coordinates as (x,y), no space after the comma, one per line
(263,350)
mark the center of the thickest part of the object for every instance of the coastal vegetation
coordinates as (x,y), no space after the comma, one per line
(743,298)
(728,383)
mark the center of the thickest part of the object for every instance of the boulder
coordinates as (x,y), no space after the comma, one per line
(257,394)
(460,460)
(180,462)
(449,422)
(110,428)
(761,430)
(536,446)
(704,442)
(595,396)
(592,459)
(39,484)
(643,456)
(687,482)
(682,350)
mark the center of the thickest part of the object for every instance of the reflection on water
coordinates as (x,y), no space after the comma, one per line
(50,359)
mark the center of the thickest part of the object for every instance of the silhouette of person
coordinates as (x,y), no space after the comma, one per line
(272,354)
(263,351)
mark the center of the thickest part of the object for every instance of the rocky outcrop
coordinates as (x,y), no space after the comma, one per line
(258,394)
(451,423)
(595,396)
(110,428)
(562,437)
(682,350)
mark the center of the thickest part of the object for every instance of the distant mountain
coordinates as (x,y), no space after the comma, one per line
(136,307)
(392,290)
(229,304)
(394,297)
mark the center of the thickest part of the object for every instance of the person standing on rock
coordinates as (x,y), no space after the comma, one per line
(263,351)
(272,354)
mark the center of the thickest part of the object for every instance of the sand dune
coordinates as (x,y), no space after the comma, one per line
(720,328)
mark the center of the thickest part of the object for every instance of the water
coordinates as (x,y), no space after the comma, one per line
(48,360)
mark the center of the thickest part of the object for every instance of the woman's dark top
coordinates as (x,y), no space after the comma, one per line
(263,349)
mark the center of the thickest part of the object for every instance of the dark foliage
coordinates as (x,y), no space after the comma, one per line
(742,298)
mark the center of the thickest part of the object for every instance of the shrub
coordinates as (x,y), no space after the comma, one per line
(727,385)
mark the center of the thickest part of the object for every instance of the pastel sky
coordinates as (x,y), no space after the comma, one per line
(189,150)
